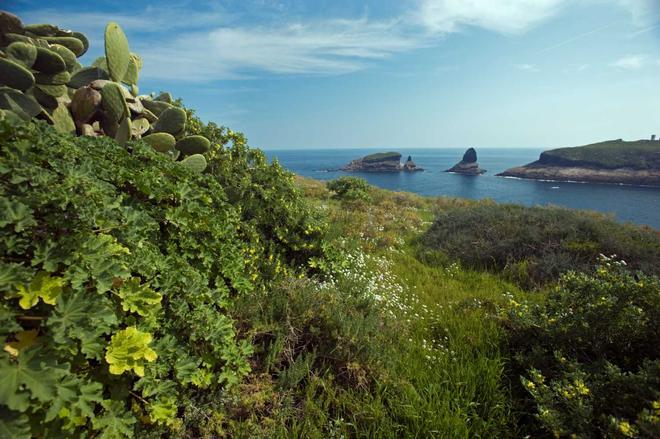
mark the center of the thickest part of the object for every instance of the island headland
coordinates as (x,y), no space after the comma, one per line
(614,161)
(382,162)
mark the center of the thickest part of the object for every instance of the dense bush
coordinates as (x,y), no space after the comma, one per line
(534,245)
(119,271)
(350,188)
(590,358)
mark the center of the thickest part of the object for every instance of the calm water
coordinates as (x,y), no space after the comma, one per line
(626,203)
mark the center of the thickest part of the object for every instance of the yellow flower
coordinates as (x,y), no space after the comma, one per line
(625,429)
(530,385)
(581,387)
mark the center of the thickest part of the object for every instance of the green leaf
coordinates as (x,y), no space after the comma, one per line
(115,422)
(101,258)
(16,213)
(85,317)
(14,425)
(42,286)
(139,298)
(129,349)
(164,411)
(30,374)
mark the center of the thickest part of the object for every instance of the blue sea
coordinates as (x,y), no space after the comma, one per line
(639,205)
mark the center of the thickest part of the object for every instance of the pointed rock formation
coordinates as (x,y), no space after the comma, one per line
(467,166)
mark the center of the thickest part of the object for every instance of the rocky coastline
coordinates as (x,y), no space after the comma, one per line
(612,162)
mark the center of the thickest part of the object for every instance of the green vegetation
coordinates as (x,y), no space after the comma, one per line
(533,246)
(589,358)
(350,188)
(220,296)
(382,156)
(640,154)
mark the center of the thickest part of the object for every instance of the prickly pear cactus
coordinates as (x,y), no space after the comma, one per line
(42,78)
(116,51)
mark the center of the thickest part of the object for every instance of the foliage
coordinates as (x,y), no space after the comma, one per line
(42,79)
(350,188)
(589,357)
(534,245)
(640,154)
(119,271)
(382,156)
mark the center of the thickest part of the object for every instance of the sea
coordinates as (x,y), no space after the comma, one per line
(639,205)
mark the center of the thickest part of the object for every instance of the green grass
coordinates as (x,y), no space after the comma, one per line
(641,154)
(445,369)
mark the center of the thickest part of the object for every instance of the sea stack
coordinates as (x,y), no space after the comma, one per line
(467,166)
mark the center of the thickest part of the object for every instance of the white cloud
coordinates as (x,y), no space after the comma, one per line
(630,62)
(202,43)
(506,16)
(331,47)
(527,68)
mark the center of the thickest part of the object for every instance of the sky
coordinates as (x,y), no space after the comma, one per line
(316,74)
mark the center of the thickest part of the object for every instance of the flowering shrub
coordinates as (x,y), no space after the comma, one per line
(590,357)
(118,272)
(350,188)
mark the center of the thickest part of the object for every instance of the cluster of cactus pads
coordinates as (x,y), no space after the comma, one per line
(40,77)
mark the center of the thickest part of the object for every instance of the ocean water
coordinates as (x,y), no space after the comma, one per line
(639,205)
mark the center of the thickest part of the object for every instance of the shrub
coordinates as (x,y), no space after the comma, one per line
(534,245)
(589,358)
(119,269)
(350,188)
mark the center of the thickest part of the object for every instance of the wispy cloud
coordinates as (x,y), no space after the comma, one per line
(506,16)
(630,62)
(205,42)
(527,68)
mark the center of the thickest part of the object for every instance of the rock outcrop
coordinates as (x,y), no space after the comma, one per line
(382,162)
(614,162)
(467,166)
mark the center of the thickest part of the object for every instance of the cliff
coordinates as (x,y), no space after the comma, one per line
(614,161)
(468,165)
(382,162)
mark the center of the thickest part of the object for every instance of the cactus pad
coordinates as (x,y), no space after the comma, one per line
(42,30)
(23,105)
(116,51)
(172,120)
(140,126)
(123,134)
(48,61)
(67,55)
(164,97)
(52,90)
(113,101)
(55,79)
(196,162)
(62,120)
(73,44)
(23,53)
(15,75)
(161,142)
(193,145)
(86,75)
(83,39)
(156,107)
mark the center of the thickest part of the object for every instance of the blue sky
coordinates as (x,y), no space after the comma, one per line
(394,73)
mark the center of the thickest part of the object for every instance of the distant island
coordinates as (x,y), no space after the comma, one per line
(382,162)
(613,161)
(468,165)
